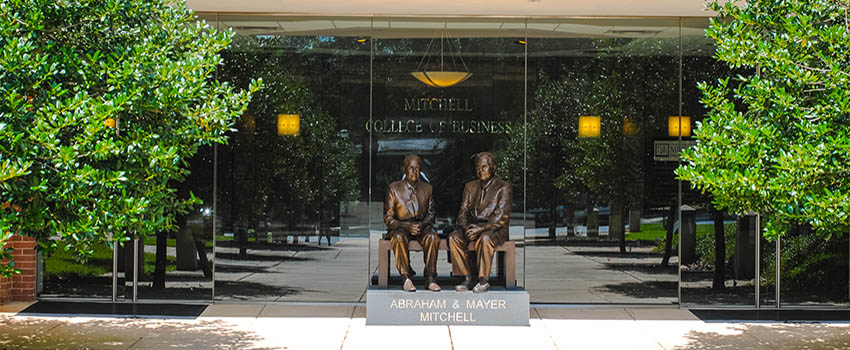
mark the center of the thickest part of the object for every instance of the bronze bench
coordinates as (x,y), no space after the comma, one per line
(505,258)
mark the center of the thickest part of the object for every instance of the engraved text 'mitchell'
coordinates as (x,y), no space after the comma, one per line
(442,104)
(458,316)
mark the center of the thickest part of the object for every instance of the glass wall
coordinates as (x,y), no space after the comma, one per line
(63,276)
(585,119)
(292,191)
(812,271)
(599,197)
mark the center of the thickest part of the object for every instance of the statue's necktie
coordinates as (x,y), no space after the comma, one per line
(481,203)
(414,201)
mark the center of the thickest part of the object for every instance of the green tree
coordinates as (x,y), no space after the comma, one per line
(564,168)
(103,103)
(298,178)
(777,141)
(550,156)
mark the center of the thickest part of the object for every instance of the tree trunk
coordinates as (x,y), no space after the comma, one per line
(668,242)
(243,242)
(201,247)
(623,242)
(553,223)
(621,224)
(161,259)
(719,281)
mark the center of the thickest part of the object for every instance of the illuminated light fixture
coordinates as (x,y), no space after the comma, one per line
(589,126)
(110,122)
(442,77)
(630,128)
(679,126)
(288,124)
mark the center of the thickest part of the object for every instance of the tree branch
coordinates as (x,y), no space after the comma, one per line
(810,68)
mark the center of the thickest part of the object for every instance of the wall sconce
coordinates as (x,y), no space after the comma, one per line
(589,126)
(288,124)
(678,126)
(249,123)
(630,128)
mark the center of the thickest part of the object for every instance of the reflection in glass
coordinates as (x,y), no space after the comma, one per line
(813,270)
(292,219)
(766,251)
(65,276)
(721,251)
(723,268)
(178,265)
(601,207)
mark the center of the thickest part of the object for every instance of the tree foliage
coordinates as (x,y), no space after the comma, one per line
(777,141)
(566,168)
(103,103)
(295,177)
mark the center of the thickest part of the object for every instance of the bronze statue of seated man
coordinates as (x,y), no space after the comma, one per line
(484,218)
(409,214)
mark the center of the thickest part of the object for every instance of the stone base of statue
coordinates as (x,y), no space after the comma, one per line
(498,307)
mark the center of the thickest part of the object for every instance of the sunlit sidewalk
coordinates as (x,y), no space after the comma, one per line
(276,326)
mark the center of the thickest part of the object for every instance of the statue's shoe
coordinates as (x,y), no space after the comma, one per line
(408,286)
(481,288)
(434,287)
(464,286)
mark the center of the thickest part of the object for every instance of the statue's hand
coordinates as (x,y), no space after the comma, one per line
(473,232)
(415,229)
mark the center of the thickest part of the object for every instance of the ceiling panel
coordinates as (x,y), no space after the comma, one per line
(511,8)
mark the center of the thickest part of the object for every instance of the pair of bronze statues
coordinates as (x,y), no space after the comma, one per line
(483,219)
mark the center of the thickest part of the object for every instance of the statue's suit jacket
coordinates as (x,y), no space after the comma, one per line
(492,211)
(400,211)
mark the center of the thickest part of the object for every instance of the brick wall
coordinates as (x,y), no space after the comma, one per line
(5,290)
(20,287)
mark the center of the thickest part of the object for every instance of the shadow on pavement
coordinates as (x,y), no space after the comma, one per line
(258,257)
(649,289)
(648,268)
(773,315)
(773,336)
(83,333)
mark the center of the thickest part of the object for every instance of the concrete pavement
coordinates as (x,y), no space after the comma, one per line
(327,326)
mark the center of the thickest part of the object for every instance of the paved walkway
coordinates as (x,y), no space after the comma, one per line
(553,273)
(277,326)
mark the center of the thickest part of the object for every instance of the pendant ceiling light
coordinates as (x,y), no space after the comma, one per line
(432,75)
